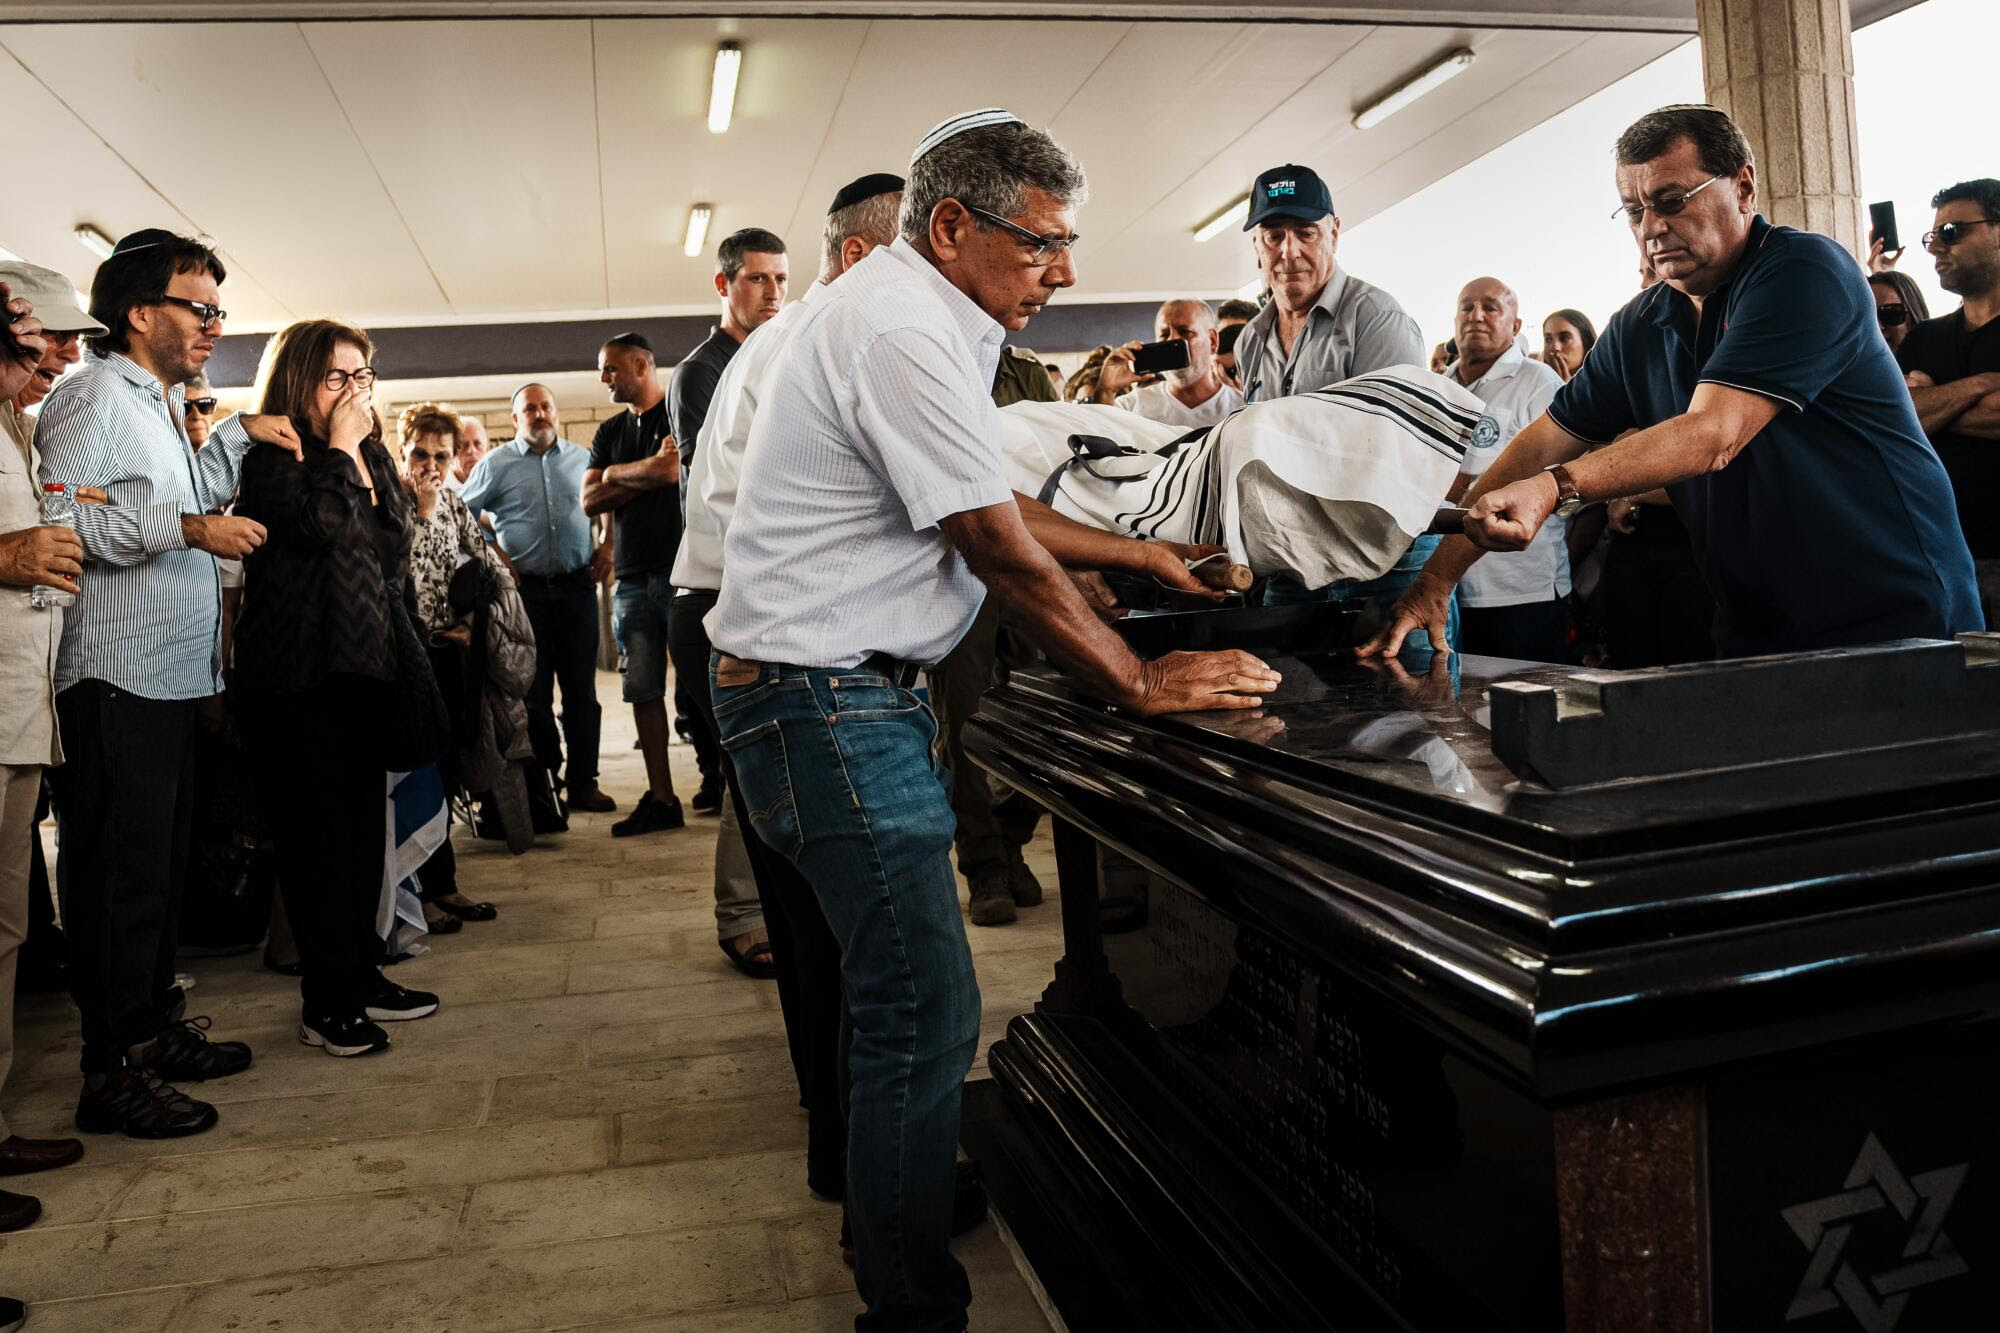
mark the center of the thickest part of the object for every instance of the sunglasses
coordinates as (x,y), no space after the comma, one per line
(1892,314)
(1951,233)
(205,406)
(429,455)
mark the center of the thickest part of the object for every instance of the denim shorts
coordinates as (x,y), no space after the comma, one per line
(640,619)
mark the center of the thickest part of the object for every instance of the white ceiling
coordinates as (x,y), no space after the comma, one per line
(430,172)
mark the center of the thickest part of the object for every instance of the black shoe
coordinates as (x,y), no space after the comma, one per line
(396,1004)
(18,1210)
(13,1314)
(135,1103)
(591,799)
(343,1036)
(184,1054)
(650,816)
(39,975)
(708,801)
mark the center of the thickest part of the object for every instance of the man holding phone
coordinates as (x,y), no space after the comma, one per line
(1177,380)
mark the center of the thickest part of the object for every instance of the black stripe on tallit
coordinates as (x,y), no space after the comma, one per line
(1365,398)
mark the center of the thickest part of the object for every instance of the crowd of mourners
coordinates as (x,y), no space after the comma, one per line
(238,649)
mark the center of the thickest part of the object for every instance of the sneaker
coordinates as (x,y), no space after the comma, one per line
(592,799)
(992,900)
(396,1004)
(184,1054)
(708,801)
(13,1314)
(343,1036)
(1022,884)
(651,815)
(135,1103)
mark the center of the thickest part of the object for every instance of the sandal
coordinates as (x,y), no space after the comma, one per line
(466,911)
(442,924)
(757,961)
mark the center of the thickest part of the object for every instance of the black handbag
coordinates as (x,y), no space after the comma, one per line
(419,724)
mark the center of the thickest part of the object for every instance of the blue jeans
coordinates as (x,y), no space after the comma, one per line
(1380,594)
(640,622)
(838,777)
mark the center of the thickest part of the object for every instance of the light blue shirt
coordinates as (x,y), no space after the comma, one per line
(879,424)
(536,501)
(148,613)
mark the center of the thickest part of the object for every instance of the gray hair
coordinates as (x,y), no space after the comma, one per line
(991,168)
(872,219)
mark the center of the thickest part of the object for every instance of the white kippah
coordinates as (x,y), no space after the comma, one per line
(959,124)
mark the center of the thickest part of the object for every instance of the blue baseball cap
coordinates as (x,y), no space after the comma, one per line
(1290,191)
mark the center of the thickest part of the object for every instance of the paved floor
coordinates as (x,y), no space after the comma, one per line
(599,1129)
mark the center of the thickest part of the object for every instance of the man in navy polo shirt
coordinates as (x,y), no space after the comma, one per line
(1762,398)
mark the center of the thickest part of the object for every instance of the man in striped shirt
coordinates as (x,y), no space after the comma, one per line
(139,652)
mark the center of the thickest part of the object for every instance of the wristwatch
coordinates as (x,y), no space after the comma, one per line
(1567,499)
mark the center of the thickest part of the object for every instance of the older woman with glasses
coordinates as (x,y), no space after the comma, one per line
(1899,305)
(323,675)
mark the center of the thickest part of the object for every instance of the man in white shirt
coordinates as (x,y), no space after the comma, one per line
(472,446)
(1197,395)
(871,519)
(1512,604)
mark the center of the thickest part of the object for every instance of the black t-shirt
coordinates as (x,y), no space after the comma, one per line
(1943,350)
(646,532)
(693,386)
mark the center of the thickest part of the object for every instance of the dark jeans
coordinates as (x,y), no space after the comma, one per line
(991,831)
(329,827)
(126,787)
(1379,595)
(563,613)
(1530,632)
(802,944)
(1657,607)
(838,776)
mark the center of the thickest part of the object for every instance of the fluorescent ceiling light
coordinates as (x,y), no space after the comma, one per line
(697,237)
(1430,80)
(95,241)
(722,92)
(1220,223)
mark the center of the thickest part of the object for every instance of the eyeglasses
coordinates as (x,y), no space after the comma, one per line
(203,311)
(1890,314)
(1665,204)
(336,380)
(1951,233)
(201,405)
(1048,249)
(417,455)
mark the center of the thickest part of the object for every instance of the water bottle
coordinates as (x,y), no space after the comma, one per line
(59,507)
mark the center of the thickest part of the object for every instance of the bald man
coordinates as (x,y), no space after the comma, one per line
(1199,395)
(1513,604)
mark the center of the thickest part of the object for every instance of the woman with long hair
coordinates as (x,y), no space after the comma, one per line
(1899,305)
(1567,337)
(323,679)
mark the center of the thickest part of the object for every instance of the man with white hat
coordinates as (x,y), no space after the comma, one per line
(31,554)
(871,510)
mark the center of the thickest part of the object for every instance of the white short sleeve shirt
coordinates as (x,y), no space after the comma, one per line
(1156,402)
(879,423)
(1516,391)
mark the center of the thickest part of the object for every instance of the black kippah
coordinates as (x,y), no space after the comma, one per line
(880,182)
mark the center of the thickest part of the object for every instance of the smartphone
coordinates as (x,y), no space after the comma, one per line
(1152,358)
(1882,224)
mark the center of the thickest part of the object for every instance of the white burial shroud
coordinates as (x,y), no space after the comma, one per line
(1321,486)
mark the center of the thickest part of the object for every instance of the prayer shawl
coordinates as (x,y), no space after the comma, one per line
(417,828)
(1321,486)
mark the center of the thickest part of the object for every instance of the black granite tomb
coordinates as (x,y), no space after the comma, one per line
(1692,1035)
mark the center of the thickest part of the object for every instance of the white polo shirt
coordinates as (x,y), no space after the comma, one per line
(1516,391)
(1156,402)
(710,485)
(879,423)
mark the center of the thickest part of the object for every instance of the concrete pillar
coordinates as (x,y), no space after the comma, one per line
(1784,71)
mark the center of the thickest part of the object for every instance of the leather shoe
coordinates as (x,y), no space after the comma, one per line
(593,799)
(19,1156)
(18,1210)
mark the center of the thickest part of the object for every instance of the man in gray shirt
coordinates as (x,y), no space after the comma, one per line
(1321,326)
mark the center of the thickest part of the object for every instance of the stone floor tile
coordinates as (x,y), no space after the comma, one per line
(132,1312)
(103,1257)
(625,1043)
(734,1076)
(534,1148)
(710,1129)
(78,1193)
(715,1192)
